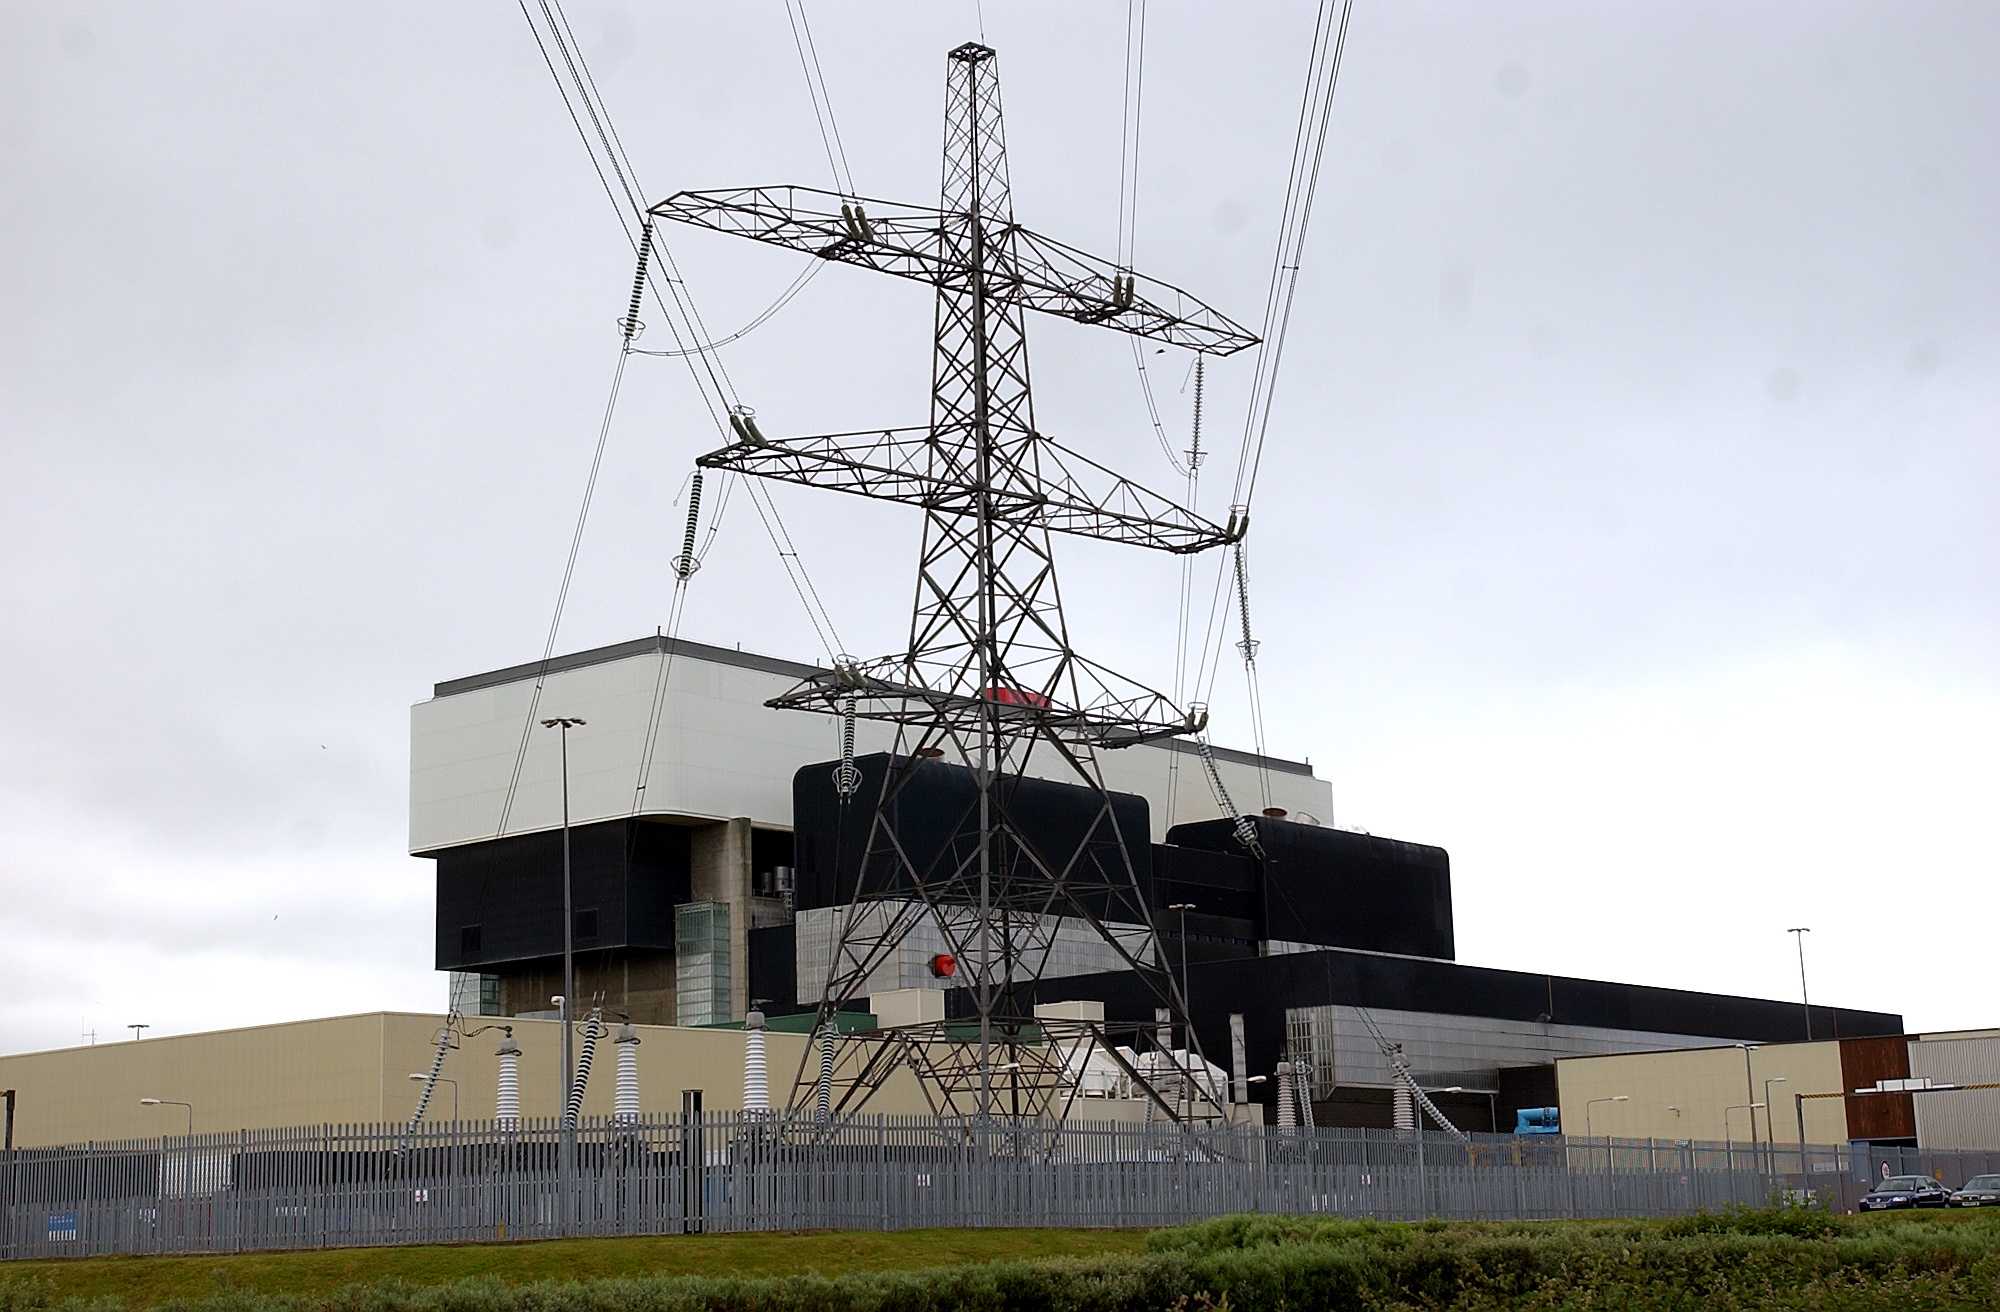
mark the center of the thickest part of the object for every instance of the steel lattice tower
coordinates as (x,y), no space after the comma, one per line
(989,676)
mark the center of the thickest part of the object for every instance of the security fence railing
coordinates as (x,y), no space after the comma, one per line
(342,1185)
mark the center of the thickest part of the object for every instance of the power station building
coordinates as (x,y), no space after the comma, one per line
(711,858)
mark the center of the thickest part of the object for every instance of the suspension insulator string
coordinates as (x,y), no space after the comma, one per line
(445,1042)
(1194,452)
(573,1106)
(847,775)
(687,562)
(1247,645)
(1242,826)
(823,1093)
(631,324)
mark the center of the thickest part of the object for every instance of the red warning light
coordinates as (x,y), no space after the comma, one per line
(944,965)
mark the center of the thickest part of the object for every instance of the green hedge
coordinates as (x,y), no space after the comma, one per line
(1742,1260)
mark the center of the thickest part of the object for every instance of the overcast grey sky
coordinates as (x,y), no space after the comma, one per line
(1626,525)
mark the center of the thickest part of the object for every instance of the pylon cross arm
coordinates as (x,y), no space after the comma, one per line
(1062,491)
(928,245)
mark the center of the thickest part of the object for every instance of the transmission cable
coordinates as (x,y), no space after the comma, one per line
(1301,186)
(683,322)
(829,131)
(562,593)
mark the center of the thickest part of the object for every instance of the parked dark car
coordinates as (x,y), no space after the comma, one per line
(1906,1191)
(1979,1191)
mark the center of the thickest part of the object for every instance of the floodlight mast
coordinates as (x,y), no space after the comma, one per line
(989,673)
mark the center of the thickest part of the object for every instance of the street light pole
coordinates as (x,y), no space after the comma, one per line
(1617,1097)
(1749,1095)
(1751,1108)
(567,1160)
(1799,936)
(172,1102)
(420,1078)
(1187,1076)
(1771,1125)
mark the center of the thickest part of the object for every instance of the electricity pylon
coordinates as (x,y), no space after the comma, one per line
(989,675)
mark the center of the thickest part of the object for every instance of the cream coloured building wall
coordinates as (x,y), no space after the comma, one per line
(720,753)
(355,1069)
(1704,1083)
(1964,1117)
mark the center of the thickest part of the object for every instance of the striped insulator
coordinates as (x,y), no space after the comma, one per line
(507,1091)
(823,1092)
(1302,1087)
(846,775)
(687,562)
(1194,451)
(1247,645)
(756,1080)
(1405,1118)
(625,1101)
(1288,1116)
(630,323)
(430,1082)
(1242,826)
(573,1106)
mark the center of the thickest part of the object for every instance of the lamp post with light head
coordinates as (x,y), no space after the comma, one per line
(418,1077)
(172,1102)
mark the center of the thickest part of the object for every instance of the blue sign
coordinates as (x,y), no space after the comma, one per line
(62,1225)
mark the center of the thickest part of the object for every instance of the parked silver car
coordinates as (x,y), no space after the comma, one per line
(1979,1191)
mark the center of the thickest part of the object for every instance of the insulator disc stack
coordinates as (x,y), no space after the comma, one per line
(687,562)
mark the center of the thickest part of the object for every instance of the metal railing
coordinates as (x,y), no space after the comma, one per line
(344,1185)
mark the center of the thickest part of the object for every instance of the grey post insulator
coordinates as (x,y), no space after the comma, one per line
(507,1089)
(625,1099)
(756,1081)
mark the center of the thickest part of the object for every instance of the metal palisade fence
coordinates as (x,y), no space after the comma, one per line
(343,1185)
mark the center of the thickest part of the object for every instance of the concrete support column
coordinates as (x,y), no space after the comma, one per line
(719,871)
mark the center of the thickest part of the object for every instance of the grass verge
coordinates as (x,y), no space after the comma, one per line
(1735,1262)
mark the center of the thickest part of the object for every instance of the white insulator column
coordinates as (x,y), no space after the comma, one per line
(756,1084)
(1288,1117)
(1406,1110)
(507,1092)
(625,1099)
